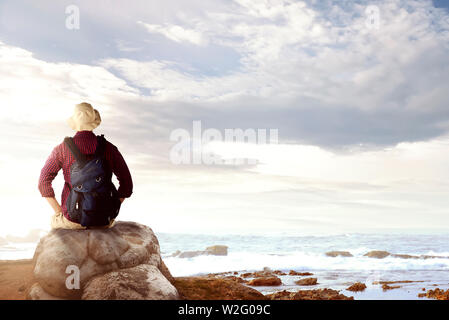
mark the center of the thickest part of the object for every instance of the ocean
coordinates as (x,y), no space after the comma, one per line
(307,253)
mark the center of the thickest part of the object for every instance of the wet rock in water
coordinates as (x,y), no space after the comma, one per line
(386,287)
(437,293)
(127,254)
(339,254)
(306,282)
(258,274)
(265,281)
(294,273)
(190,254)
(397,281)
(200,288)
(279,273)
(227,277)
(236,279)
(218,250)
(358,286)
(404,256)
(317,294)
(377,254)
(176,253)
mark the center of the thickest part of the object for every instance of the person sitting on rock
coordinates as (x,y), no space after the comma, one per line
(87,201)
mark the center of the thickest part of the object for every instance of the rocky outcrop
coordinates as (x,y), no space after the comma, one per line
(307,282)
(358,286)
(266,272)
(265,281)
(122,262)
(200,288)
(295,273)
(217,250)
(383,254)
(386,287)
(317,294)
(279,273)
(377,254)
(339,254)
(437,293)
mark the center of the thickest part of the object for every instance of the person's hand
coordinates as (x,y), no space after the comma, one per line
(121,200)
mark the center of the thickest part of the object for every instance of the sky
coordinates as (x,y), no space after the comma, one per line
(358,92)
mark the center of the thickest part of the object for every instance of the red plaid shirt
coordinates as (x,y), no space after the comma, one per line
(61,157)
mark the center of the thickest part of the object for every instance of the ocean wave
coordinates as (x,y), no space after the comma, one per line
(300,261)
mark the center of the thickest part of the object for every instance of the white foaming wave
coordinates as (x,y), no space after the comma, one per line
(299,261)
(437,254)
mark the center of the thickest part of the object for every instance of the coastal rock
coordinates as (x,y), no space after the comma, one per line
(339,254)
(377,254)
(200,288)
(437,293)
(265,281)
(398,281)
(279,273)
(236,279)
(258,274)
(404,256)
(37,293)
(307,282)
(228,276)
(386,287)
(144,282)
(126,249)
(295,273)
(317,294)
(358,286)
(218,250)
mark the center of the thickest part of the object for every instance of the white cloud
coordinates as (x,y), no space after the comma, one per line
(300,52)
(176,33)
(291,54)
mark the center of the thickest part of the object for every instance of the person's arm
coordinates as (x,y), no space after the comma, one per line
(48,173)
(54,204)
(121,171)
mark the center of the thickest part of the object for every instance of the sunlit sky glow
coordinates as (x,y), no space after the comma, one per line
(362,113)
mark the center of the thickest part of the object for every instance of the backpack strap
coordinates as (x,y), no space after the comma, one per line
(79,157)
(101,146)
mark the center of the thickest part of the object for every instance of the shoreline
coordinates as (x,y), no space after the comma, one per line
(16,278)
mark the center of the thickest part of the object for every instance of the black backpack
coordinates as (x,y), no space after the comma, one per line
(93,199)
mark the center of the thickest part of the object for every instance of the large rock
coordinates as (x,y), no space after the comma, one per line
(122,262)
